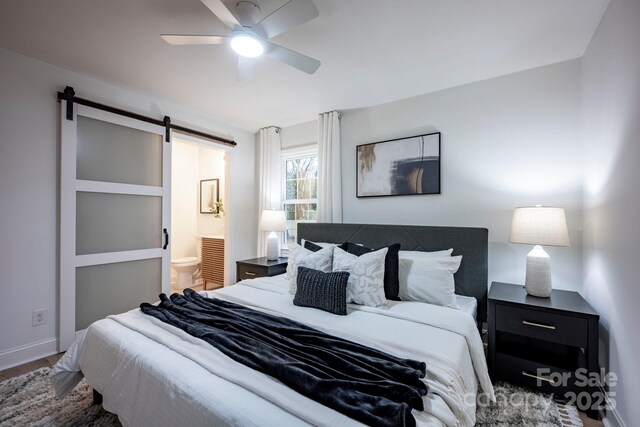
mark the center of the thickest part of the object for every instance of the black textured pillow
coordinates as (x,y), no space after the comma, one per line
(391,266)
(324,291)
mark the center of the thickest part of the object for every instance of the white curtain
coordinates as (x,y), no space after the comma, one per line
(329,207)
(269,178)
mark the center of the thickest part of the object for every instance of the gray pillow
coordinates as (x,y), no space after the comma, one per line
(324,291)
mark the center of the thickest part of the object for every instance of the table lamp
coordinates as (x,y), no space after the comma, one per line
(272,220)
(539,225)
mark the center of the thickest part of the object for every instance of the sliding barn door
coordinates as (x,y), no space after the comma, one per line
(115,186)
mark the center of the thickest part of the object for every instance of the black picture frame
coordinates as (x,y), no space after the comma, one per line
(407,174)
(209,193)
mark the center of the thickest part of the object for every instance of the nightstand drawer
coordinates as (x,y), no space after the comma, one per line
(250,272)
(542,325)
(526,373)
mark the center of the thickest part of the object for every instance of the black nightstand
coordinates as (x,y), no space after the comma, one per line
(533,340)
(259,267)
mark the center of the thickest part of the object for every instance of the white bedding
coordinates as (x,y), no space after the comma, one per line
(467,304)
(151,373)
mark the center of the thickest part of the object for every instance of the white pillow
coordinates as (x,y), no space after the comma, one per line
(299,256)
(428,279)
(421,254)
(366,276)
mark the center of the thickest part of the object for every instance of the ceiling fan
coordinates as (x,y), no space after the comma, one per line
(249,36)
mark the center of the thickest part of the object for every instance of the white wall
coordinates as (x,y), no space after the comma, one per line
(611,133)
(29,149)
(185,183)
(211,165)
(299,135)
(506,142)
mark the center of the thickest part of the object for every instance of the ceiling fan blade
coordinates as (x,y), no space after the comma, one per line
(220,10)
(182,39)
(291,14)
(295,59)
(246,66)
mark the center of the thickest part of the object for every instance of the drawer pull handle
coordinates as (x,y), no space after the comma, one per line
(248,273)
(526,374)
(538,325)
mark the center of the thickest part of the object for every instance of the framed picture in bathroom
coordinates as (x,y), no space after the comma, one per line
(209,195)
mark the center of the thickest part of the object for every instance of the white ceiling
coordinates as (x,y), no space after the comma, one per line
(372,51)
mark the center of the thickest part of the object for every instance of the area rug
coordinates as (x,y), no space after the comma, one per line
(517,406)
(29,399)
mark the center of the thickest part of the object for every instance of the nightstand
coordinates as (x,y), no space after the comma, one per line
(259,267)
(534,341)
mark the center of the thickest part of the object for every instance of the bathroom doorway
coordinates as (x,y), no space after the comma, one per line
(199,214)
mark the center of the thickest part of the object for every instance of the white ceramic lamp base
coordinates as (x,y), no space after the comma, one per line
(538,278)
(272,247)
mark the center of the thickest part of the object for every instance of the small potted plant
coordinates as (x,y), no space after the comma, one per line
(217,209)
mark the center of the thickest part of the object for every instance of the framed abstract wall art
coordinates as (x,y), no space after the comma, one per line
(399,167)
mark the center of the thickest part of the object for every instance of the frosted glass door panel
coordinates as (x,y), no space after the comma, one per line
(107,289)
(114,153)
(117,222)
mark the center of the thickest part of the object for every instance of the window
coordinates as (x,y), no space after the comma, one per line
(300,189)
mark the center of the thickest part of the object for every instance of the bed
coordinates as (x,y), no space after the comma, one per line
(150,373)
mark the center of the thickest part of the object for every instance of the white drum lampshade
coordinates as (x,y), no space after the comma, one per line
(539,225)
(273,221)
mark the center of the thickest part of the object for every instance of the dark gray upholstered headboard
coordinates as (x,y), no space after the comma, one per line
(471,243)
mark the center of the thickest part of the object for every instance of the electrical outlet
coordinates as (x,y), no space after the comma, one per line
(39,317)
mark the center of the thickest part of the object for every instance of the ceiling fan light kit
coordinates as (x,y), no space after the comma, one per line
(249,37)
(247,45)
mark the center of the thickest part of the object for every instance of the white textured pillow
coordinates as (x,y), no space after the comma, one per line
(422,254)
(429,279)
(366,276)
(299,256)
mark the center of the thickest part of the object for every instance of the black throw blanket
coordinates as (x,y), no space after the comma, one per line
(363,383)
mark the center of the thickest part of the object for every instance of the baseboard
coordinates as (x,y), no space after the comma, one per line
(28,353)
(612,418)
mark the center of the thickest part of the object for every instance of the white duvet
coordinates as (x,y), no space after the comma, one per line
(151,373)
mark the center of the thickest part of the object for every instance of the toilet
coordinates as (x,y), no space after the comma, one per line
(187,271)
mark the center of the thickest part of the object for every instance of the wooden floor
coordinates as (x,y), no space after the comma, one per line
(588,422)
(48,362)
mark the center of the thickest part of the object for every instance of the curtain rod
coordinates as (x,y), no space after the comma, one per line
(269,127)
(69,96)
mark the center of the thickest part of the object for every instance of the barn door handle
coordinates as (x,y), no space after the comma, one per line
(166,238)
